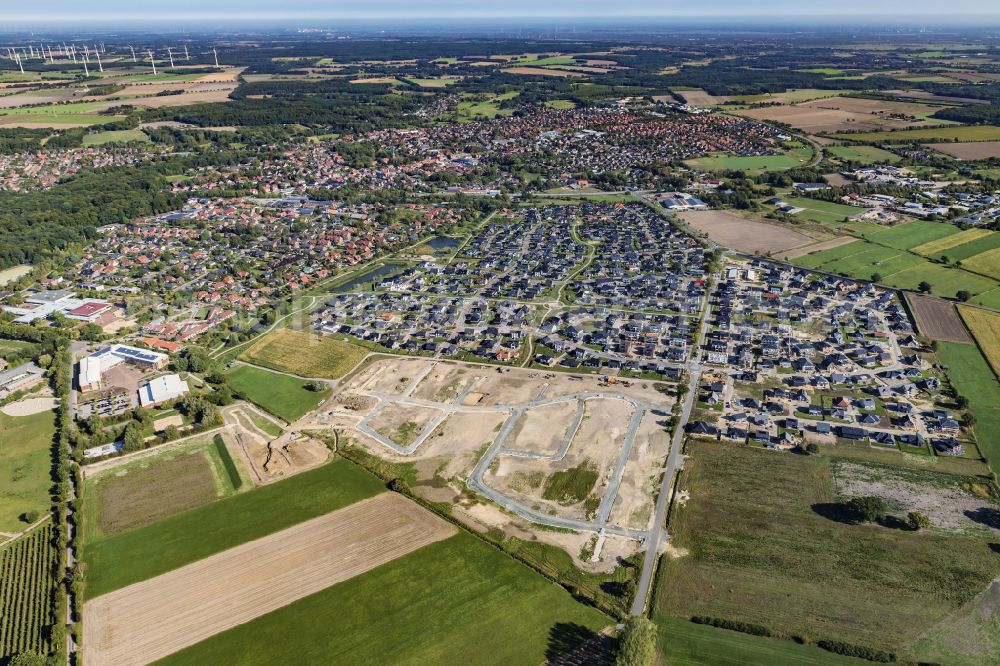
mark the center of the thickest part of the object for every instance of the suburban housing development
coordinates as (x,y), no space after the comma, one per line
(513,341)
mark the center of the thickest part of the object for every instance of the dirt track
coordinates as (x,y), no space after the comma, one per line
(152,619)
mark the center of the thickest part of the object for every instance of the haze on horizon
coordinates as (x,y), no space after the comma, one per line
(307,10)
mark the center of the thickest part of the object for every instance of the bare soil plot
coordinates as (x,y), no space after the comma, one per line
(979,150)
(389,376)
(142,495)
(741,234)
(288,456)
(402,423)
(633,507)
(152,619)
(446,382)
(947,506)
(937,319)
(816,247)
(543,429)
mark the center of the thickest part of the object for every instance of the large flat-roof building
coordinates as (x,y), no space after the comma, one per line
(21,377)
(43,304)
(92,368)
(161,390)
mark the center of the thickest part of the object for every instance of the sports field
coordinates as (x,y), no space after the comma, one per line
(121,559)
(285,397)
(25,467)
(454,602)
(764,548)
(304,354)
(204,598)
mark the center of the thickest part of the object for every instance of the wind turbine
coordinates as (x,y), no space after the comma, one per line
(99,65)
(133,53)
(72,50)
(170,54)
(86,54)
(151,61)
(18,59)
(187,56)
(86,70)
(216,55)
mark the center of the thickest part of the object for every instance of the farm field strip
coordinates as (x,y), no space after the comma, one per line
(937,319)
(947,242)
(230,588)
(985,327)
(26,585)
(931,134)
(985,263)
(304,354)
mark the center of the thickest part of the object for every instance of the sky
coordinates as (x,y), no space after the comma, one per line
(318,10)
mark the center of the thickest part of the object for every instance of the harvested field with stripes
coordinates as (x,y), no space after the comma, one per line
(937,319)
(202,599)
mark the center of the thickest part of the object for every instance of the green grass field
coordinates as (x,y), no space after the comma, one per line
(285,397)
(458,601)
(969,249)
(912,234)
(128,557)
(822,211)
(793,158)
(264,425)
(862,154)
(887,252)
(972,377)
(684,643)
(948,133)
(25,467)
(115,136)
(762,551)
(8,346)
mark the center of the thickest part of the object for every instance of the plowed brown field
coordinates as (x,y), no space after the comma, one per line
(152,619)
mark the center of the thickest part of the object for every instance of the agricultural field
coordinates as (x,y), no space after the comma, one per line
(930,135)
(937,318)
(788,160)
(936,248)
(740,233)
(150,489)
(979,150)
(773,561)
(972,377)
(115,136)
(25,467)
(912,234)
(304,354)
(862,154)
(117,560)
(450,602)
(790,96)
(985,328)
(9,275)
(984,263)
(843,113)
(195,602)
(284,396)
(26,585)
